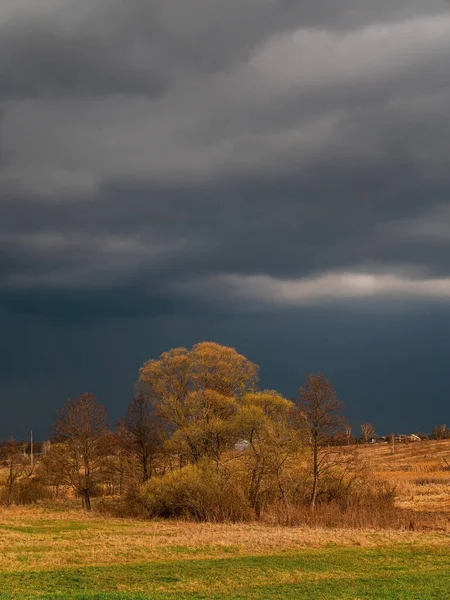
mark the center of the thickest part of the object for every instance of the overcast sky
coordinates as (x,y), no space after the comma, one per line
(273,175)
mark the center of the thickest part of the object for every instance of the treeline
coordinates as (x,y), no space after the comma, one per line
(201,441)
(442,432)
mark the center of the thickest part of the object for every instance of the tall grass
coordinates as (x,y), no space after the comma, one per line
(26,491)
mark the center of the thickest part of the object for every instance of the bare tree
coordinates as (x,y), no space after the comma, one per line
(82,426)
(440,433)
(348,434)
(16,467)
(140,433)
(52,468)
(321,411)
(367,432)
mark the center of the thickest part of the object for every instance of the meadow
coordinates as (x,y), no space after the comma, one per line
(420,472)
(59,551)
(50,553)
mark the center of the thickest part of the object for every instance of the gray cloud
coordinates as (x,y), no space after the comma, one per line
(154,146)
(143,46)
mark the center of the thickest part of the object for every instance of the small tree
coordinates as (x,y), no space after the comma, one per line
(16,466)
(321,412)
(52,468)
(141,435)
(440,433)
(264,421)
(348,434)
(82,426)
(367,432)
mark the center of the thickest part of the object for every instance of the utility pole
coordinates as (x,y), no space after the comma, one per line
(393,443)
(31,449)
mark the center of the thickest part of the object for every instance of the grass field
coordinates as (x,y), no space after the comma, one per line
(60,552)
(420,471)
(46,554)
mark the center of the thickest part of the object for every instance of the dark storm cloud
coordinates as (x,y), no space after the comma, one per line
(167,164)
(111,264)
(102,47)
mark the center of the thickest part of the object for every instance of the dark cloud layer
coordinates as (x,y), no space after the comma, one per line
(387,368)
(107,46)
(173,171)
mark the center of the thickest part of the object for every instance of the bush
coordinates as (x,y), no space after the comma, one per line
(365,505)
(204,492)
(27,491)
(429,481)
(196,492)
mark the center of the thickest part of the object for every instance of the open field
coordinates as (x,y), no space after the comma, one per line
(48,553)
(59,551)
(418,470)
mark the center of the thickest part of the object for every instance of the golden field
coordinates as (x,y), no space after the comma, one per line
(46,538)
(418,470)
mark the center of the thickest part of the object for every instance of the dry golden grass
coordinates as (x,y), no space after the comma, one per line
(46,538)
(418,470)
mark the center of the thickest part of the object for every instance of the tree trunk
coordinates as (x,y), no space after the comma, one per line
(10,484)
(314,493)
(315,473)
(9,495)
(144,462)
(255,485)
(86,499)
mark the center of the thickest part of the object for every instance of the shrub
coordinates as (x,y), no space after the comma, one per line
(421,481)
(27,491)
(199,492)
(366,505)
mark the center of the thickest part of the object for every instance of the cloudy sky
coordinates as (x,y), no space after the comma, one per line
(273,175)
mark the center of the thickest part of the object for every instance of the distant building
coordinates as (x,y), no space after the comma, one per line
(242,445)
(382,439)
(411,437)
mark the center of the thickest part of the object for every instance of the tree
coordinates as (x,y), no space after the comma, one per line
(207,366)
(196,392)
(348,434)
(52,468)
(13,458)
(82,427)
(321,413)
(367,432)
(440,432)
(264,421)
(119,465)
(140,433)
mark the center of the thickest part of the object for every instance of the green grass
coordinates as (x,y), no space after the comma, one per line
(46,555)
(387,573)
(47,527)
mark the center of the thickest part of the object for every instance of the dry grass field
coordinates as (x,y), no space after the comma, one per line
(46,538)
(418,470)
(60,552)
(48,553)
